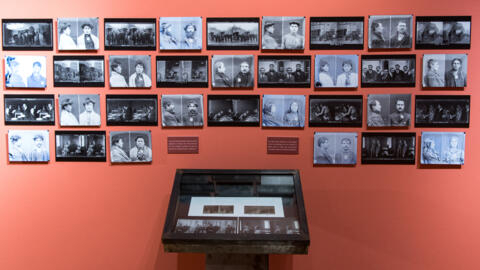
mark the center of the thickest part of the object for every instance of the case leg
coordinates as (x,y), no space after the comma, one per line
(236,262)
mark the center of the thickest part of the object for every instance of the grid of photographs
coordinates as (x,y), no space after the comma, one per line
(388,110)
(79,110)
(77,34)
(182,110)
(22,71)
(445,148)
(233,110)
(336,71)
(443,32)
(78,71)
(442,111)
(233,33)
(80,145)
(29,109)
(27,34)
(336,33)
(182,71)
(130,146)
(390,32)
(180,33)
(336,110)
(388,70)
(444,70)
(132,110)
(130,71)
(283,111)
(130,34)
(284,71)
(283,33)
(335,148)
(28,146)
(232,71)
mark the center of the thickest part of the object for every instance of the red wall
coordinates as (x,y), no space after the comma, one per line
(65,215)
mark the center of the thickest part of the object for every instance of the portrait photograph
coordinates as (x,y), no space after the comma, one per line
(29,109)
(206,226)
(442,111)
(284,71)
(389,110)
(390,32)
(233,33)
(283,33)
(28,146)
(180,33)
(232,71)
(335,148)
(336,110)
(445,148)
(79,110)
(182,110)
(182,71)
(78,71)
(130,71)
(283,111)
(132,110)
(388,148)
(80,145)
(25,71)
(444,70)
(336,33)
(443,32)
(27,34)
(130,34)
(336,71)
(233,110)
(388,70)
(77,34)
(130,146)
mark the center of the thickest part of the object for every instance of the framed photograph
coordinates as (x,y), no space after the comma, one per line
(130,34)
(206,226)
(28,146)
(130,146)
(182,71)
(283,111)
(388,148)
(283,33)
(336,71)
(79,110)
(25,71)
(335,148)
(442,111)
(29,109)
(445,148)
(443,32)
(80,145)
(182,110)
(132,110)
(180,33)
(130,71)
(336,111)
(388,70)
(77,34)
(390,31)
(232,71)
(78,71)
(389,110)
(27,34)
(284,71)
(233,110)
(336,33)
(233,33)
(444,70)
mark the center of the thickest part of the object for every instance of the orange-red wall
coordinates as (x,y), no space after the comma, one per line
(65,215)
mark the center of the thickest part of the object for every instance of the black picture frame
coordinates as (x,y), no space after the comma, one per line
(441,42)
(46,47)
(442,117)
(80,83)
(389,83)
(233,20)
(86,148)
(337,100)
(148,47)
(235,114)
(337,45)
(20,113)
(179,83)
(372,152)
(134,121)
(307,65)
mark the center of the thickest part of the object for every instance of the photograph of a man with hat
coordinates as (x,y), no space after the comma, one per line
(67,118)
(79,110)
(78,34)
(269,42)
(89,117)
(87,40)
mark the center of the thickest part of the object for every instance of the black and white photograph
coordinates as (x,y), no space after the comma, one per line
(232,71)
(336,111)
(28,146)
(337,148)
(79,110)
(284,71)
(442,148)
(77,34)
(283,111)
(180,33)
(443,32)
(80,146)
(388,70)
(29,109)
(79,71)
(233,33)
(336,33)
(444,70)
(388,148)
(284,226)
(255,226)
(130,146)
(132,110)
(27,34)
(130,71)
(389,110)
(182,71)
(182,110)
(442,111)
(336,71)
(206,226)
(390,31)
(130,34)
(233,110)
(283,33)
(25,71)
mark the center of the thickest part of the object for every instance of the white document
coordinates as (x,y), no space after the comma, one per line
(236,207)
